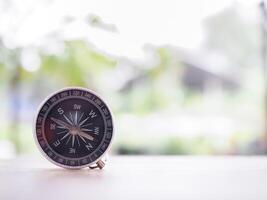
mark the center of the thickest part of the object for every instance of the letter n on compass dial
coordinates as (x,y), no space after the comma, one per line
(74,128)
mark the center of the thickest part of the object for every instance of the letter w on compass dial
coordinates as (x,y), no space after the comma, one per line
(74,132)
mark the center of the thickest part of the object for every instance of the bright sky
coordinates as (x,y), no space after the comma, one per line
(138,22)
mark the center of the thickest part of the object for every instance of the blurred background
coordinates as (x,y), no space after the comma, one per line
(182,77)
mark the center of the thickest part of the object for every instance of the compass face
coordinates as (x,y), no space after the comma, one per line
(74,128)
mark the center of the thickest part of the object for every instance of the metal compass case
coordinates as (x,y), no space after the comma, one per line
(74,128)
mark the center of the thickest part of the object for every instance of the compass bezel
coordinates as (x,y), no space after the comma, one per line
(101,157)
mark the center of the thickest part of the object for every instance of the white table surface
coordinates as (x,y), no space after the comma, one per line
(137,177)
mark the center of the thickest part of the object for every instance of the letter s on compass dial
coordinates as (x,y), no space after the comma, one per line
(74,128)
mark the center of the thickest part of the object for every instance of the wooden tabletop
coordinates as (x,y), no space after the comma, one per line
(133,177)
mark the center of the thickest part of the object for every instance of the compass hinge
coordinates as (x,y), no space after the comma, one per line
(99,164)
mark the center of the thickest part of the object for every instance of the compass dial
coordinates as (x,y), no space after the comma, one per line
(74,128)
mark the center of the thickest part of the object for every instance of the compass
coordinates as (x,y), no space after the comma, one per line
(74,128)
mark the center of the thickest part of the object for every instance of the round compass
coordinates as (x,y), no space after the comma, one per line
(74,128)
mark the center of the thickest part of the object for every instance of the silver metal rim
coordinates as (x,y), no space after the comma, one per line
(35,135)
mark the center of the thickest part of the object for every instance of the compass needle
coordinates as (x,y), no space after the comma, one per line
(73,140)
(78,141)
(71,118)
(61,127)
(76,118)
(82,138)
(67,119)
(87,124)
(62,132)
(86,129)
(80,118)
(61,123)
(68,139)
(85,135)
(83,121)
(65,136)
(56,120)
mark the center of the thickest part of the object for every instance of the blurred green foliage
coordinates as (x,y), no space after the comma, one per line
(79,65)
(157,89)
